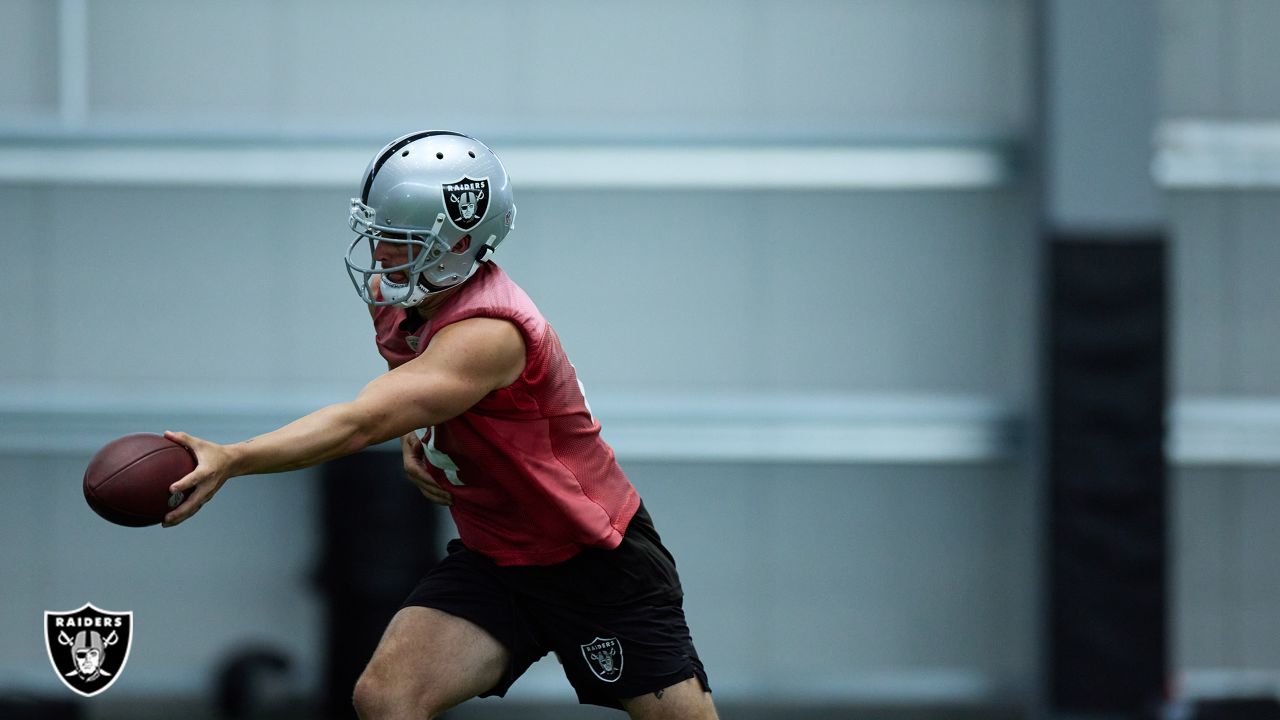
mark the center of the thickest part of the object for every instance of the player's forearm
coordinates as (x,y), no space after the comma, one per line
(328,433)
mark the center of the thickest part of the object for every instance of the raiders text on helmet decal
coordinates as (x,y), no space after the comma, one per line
(88,647)
(467,201)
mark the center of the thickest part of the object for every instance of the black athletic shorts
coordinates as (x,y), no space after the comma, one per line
(615,618)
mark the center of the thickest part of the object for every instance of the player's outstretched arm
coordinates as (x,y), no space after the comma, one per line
(464,362)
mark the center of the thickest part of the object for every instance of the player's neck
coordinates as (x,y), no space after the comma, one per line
(428,307)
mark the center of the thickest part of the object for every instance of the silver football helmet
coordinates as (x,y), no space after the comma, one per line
(445,198)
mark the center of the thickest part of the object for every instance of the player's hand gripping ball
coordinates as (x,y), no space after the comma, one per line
(127,481)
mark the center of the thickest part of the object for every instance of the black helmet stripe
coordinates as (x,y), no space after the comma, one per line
(391,150)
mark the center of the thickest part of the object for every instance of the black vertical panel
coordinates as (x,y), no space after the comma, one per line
(379,539)
(1107,497)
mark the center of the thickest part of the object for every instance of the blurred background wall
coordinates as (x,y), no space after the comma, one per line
(792,248)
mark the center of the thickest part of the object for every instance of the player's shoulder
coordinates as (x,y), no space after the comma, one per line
(480,331)
(500,287)
(485,342)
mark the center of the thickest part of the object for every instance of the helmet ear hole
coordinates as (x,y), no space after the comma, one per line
(463,244)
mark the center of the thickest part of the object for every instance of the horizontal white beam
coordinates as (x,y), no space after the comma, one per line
(779,167)
(1217,431)
(706,427)
(1225,682)
(872,429)
(724,428)
(1217,155)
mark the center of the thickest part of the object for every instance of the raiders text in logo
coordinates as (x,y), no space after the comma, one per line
(88,647)
(467,201)
(604,657)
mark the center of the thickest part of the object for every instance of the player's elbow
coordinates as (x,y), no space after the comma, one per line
(359,429)
(371,425)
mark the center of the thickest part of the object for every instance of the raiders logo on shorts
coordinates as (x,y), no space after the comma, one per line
(88,647)
(466,201)
(604,658)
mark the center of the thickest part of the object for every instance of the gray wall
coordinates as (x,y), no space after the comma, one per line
(1219,66)
(1225,348)
(220,306)
(902,579)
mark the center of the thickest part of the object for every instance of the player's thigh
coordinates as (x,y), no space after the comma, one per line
(686,700)
(432,659)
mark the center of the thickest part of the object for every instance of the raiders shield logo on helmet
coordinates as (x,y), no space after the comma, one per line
(604,657)
(467,201)
(88,647)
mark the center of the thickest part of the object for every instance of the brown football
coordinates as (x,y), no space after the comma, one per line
(127,481)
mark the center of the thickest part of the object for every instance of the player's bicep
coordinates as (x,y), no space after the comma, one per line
(464,362)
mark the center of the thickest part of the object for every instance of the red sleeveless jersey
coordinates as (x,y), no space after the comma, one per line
(532,480)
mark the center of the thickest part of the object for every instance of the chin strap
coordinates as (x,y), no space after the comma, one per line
(487,248)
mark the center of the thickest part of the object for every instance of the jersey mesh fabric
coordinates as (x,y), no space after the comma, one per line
(534,482)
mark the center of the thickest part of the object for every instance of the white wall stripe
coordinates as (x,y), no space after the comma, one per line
(719,428)
(558,167)
(1217,155)
(921,429)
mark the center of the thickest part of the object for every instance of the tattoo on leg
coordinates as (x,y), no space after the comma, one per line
(659,693)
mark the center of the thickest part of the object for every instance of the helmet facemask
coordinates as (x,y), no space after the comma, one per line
(424,247)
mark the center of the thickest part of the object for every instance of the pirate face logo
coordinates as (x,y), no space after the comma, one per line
(604,658)
(88,647)
(466,201)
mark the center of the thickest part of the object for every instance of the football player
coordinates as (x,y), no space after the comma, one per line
(556,551)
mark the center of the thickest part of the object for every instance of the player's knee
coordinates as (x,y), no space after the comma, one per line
(377,696)
(367,697)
